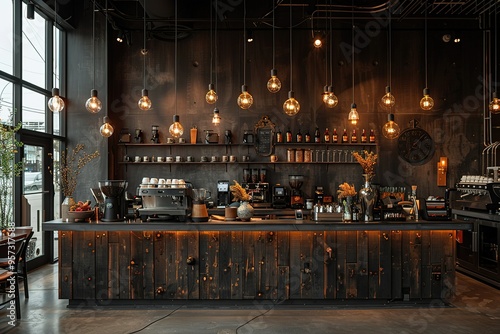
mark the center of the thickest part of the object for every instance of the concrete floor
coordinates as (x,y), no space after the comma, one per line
(475,309)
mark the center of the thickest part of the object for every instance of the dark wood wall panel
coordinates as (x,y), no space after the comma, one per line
(257,265)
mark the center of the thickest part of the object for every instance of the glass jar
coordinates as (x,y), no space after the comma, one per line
(290,155)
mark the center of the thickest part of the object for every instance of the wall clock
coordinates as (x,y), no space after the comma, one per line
(415,145)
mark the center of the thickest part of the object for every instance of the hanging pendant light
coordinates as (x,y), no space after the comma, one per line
(388,101)
(93,104)
(144,102)
(331,99)
(216,117)
(211,96)
(176,129)
(274,84)
(291,106)
(245,100)
(494,105)
(353,116)
(426,103)
(106,128)
(390,130)
(55,103)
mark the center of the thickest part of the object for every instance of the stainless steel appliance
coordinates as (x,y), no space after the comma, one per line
(223,194)
(279,197)
(164,203)
(260,193)
(114,200)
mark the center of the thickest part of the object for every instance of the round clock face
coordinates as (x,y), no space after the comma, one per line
(415,146)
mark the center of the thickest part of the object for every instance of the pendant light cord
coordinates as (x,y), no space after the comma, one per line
(244,42)
(496,37)
(144,49)
(274,41)
(425,40)
(291,71)
(215,41)
(390,46)
(175,59)
(352,19)
(331,45)
(93,46)
(211,45)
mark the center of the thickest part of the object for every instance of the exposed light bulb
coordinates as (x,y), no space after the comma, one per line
(317,42)
(324,95)
(56,104)
(388,101)
(216,118)
(144,102)
(245,100)
(390,130)
(331,98)
(353,115)
(176,130)
(93,104)
(211,96)
(106,129)
(274,84)
(426,103)
(291,106)
(495,104)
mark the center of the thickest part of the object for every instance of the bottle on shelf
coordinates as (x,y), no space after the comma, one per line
(372,136)
(279,136)
(317,136)
(363,136)
(345,137)
(335,136)
(288,136)
(354,136)
(298,137)
(327,136)
(307,137)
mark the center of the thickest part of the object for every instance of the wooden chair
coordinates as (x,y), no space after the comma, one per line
(9,277)
(22,267)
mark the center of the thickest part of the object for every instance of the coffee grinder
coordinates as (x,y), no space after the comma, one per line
(199,212)
(296,196)
(223,194)
(114,199)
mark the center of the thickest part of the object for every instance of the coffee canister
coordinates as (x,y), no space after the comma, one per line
(307,155)
(299,155)
(290,155)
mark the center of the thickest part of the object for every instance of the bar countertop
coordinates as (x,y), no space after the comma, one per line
(256,225)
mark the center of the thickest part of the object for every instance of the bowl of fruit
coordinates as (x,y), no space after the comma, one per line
(81,211)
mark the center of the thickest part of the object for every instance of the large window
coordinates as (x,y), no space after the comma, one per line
(6,108)
(33,60)
(6,37)
(34,106)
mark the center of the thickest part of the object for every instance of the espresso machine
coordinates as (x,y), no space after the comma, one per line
(223,194)
(296,195)
(254,182)
(164,204)
(114,199)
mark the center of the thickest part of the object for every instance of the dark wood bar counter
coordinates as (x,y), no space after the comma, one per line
(112,263)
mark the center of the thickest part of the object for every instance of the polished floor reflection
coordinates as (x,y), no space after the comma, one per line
(475,309)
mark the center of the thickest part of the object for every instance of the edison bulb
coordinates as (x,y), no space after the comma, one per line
(144,102)
(56,104)
(274,84)
(388,101)
(495,104)
(324,95)
(106,129)
(176,130)
(93,104)
(426,103)
(216,118)
(245,100)
(353,115)
(211,96)
(390,130)
(291,106)
(331,99)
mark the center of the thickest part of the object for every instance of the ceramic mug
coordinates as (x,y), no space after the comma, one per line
(189,158)
(137,158)
(170,140)
(225,158)
(182,140)
(159,159)
(178,158)
(145,158)
(274,158)
(232,158)
(169,159)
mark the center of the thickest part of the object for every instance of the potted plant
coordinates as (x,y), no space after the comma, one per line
(8,170)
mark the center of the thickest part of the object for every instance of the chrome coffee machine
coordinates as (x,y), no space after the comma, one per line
(164,204)
(223,194)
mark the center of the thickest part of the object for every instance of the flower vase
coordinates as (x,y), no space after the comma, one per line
(347,214)
(367,199)
(65,206)
(244,211)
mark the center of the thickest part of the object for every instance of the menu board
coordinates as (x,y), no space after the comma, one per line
(264,141)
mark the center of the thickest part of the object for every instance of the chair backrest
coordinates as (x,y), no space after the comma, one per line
(14,255)
(24,249)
